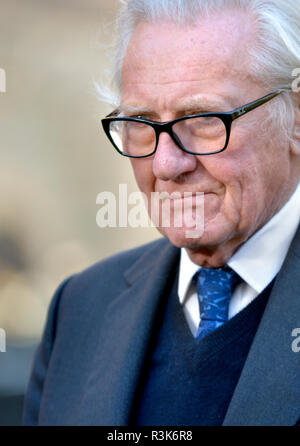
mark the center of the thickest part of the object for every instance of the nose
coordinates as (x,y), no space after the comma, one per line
(170,162)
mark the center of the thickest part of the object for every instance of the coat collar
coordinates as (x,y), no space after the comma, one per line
(128,325)
(267,392)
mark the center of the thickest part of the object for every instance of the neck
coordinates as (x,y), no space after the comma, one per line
(214,256)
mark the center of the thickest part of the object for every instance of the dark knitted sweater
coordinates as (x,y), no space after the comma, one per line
(188,382)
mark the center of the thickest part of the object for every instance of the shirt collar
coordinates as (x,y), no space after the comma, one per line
(260,258)
(187,269)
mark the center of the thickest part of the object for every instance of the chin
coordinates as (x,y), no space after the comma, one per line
(209,236)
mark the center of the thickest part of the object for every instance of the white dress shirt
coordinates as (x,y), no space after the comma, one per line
(257,262)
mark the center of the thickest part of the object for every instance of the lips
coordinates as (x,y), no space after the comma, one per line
(175,195)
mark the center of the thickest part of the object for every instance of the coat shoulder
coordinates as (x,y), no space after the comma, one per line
(105,279)
(115,266)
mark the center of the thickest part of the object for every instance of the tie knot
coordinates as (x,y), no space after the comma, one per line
(214,289)
(224,278)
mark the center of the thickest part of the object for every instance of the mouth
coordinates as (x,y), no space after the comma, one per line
(180,196)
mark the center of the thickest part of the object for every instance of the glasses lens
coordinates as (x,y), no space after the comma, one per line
(201,135)
(133,138)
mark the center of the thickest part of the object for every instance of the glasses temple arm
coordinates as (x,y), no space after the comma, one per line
(252,105)
(113,114)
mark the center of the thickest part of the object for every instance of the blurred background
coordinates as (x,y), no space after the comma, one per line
(54,161)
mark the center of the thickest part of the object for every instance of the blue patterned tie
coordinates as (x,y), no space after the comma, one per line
(214,289)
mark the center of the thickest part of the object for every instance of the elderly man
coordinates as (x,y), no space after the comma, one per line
(192,330)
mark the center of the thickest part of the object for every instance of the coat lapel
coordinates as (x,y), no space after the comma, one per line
(268,391)
(127,326)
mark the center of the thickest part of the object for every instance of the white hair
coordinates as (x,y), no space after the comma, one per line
(273,58)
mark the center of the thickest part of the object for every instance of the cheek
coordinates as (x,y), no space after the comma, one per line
(227,169)
(143,172)
(252,170)
(245,161)
(241,172)
(260,150)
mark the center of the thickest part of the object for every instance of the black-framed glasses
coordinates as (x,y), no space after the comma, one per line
(198,134)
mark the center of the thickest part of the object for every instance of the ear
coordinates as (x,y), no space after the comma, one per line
(295,144)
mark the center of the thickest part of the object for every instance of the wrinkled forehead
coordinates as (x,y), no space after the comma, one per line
(219,42)
(165,61)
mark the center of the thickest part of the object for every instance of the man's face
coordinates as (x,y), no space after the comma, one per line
(172,71)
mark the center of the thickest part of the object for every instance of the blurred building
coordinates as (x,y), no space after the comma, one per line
(54,160)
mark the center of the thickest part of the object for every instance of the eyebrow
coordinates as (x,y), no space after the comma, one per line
(193,103)
(202,103)
(126,109)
